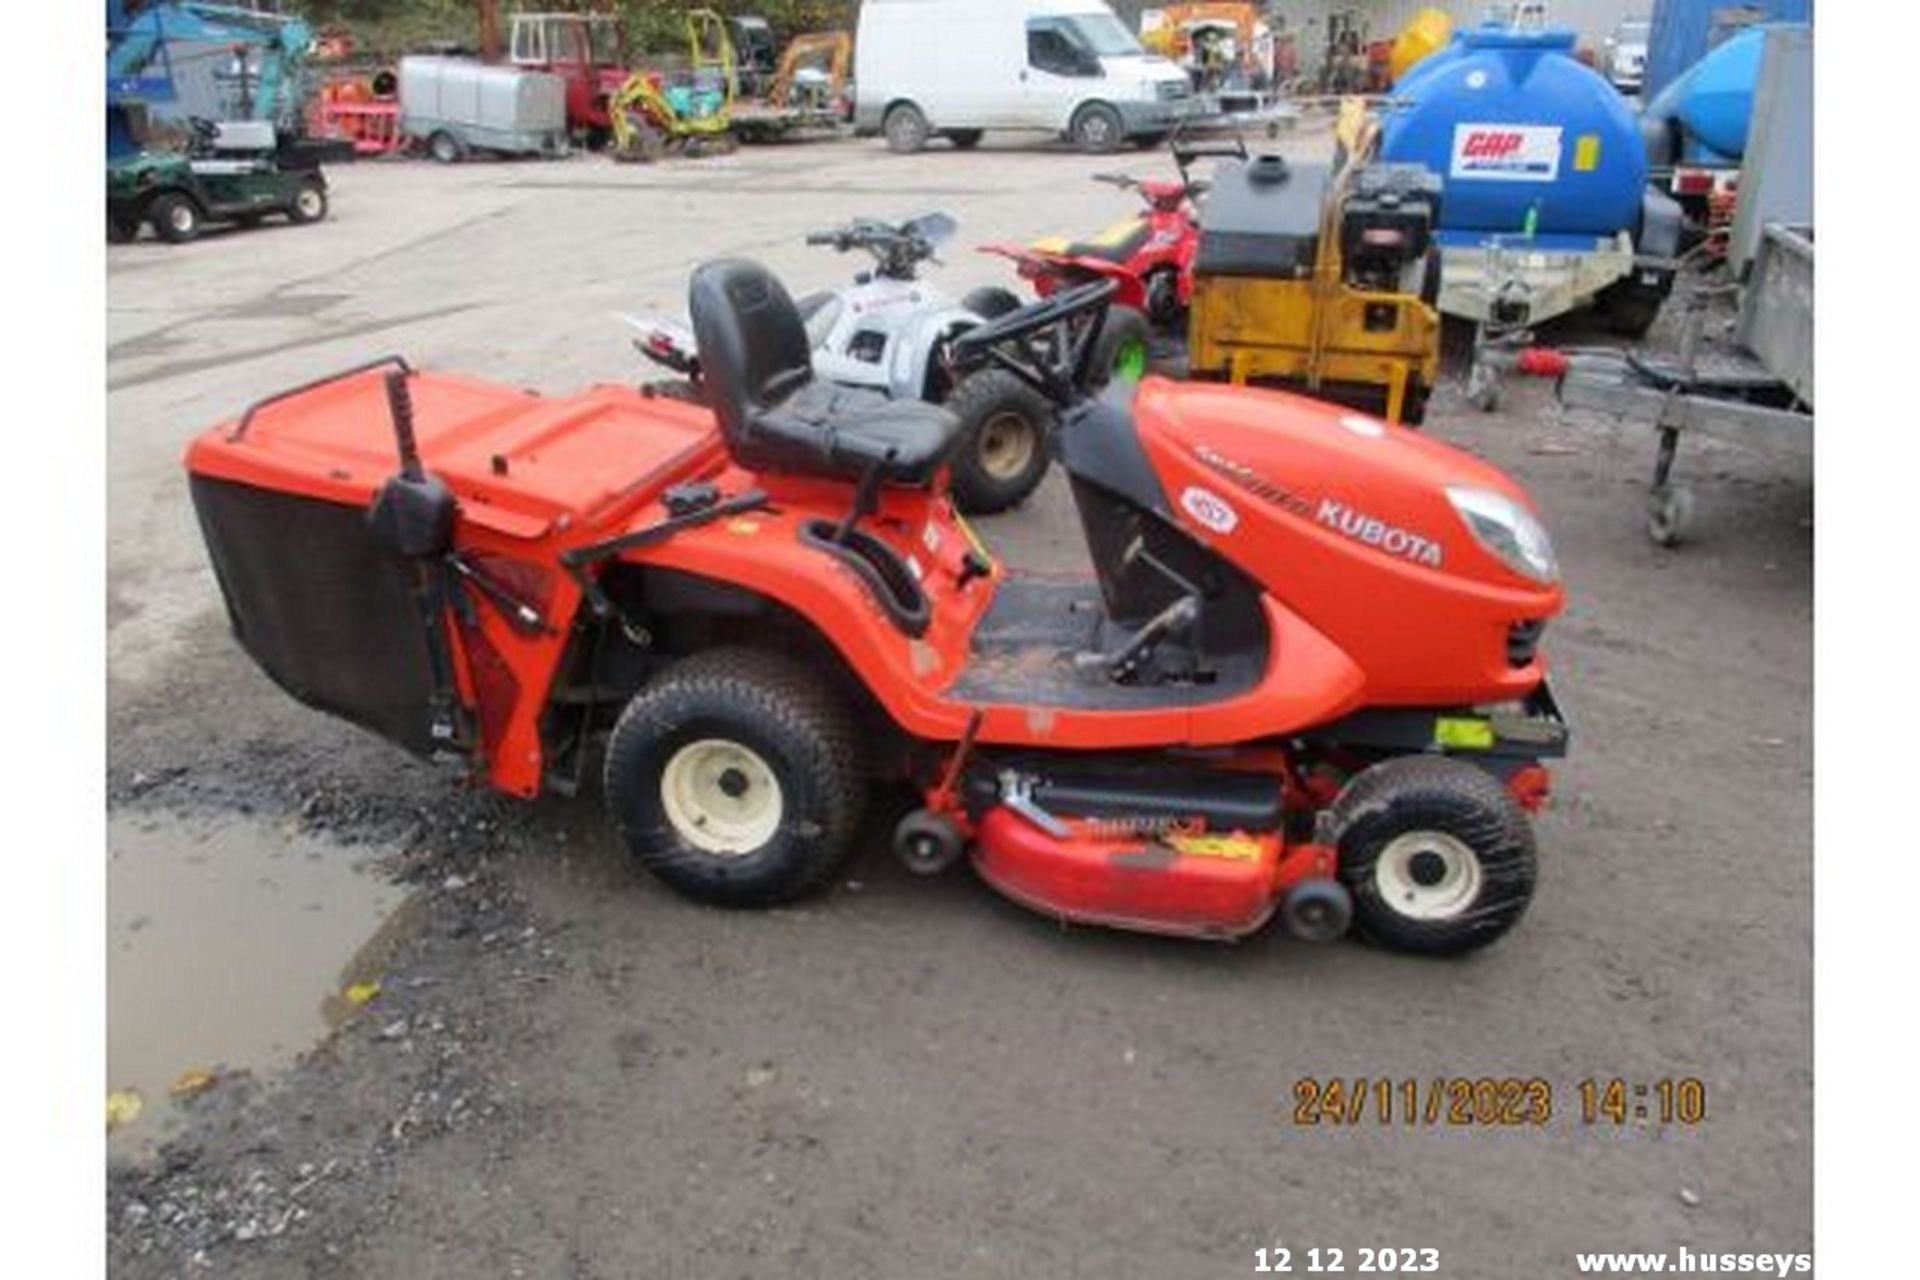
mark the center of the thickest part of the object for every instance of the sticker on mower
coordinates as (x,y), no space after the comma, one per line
(1210,509)
(1506,152)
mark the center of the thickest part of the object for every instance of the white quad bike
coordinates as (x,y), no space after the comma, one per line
(891,333)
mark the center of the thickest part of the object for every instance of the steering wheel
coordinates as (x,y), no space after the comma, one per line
(1059,373)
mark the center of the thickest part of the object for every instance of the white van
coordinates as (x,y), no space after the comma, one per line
(956,68)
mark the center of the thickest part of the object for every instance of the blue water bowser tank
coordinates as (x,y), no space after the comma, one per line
(1523,136)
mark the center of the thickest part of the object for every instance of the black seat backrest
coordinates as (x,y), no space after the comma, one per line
(753,346)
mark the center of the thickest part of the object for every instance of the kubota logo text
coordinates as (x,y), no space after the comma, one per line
(1375,532)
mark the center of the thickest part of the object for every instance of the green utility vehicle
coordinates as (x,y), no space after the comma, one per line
(236,171)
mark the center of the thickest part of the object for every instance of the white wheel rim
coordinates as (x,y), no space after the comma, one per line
(721,797)
(1427,875)
(1095,130)
(181,217)
(309,201)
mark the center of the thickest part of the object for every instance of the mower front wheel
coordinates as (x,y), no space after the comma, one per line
(735,778)
(1002,453)
(1438,856)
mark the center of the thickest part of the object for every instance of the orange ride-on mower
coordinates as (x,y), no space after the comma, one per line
(1305,677)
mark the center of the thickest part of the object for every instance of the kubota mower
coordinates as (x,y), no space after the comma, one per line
(1305,676)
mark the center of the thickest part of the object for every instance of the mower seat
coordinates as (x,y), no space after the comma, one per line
(775,415)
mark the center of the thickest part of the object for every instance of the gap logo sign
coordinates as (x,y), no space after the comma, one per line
(1506,152)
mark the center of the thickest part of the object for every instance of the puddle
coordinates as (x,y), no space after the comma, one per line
(228,945)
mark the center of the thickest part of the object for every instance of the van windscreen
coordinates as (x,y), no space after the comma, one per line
(1104,35)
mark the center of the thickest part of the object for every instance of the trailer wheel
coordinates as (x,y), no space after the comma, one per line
(1437,855)
(906,128)
(1629,307)
(735,778)
(445,148)
(1097,129)
(309,203)
(1002,455)
(176,217)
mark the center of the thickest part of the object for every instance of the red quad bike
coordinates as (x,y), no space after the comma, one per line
(1149,257)
(1306,677)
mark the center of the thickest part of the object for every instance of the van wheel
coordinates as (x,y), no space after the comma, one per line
(175,217)
(1002,455)
(906,129)
(1097,129)
(444,147)
(965,139)
(1439,858)
(735,777)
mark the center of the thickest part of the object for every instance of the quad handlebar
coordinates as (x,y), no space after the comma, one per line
(898,249)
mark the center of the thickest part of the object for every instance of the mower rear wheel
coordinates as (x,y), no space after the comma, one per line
(175,217)
(1001,455)
(735,777)
(309,203)
(906,128)
(1438,856)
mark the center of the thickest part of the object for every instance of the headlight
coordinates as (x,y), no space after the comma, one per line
(1509,530)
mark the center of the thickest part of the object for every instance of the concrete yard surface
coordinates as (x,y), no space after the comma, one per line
(559,1068)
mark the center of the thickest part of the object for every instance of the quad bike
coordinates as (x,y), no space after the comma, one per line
(890,332)
(1304,678)
(1148,256)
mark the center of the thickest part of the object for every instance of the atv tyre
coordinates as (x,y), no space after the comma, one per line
(1438,856)
(1001,453)
(735,778)
(990,301)
(1121,351)
(175,217)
